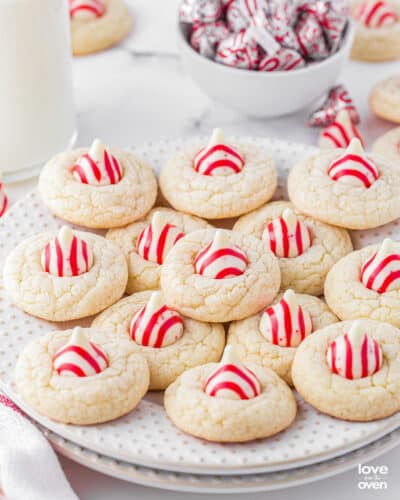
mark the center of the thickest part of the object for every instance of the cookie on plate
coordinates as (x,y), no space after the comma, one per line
(97,24)
(65,276)
(98,188)
(351,370)
(219,275)
(306,248)
(377,30)
(346,188)
(146,244)
(366,284)
(270,339)
(170,342)
(219,180)
(388,146)
(384,100)
(229,402)
(81,376)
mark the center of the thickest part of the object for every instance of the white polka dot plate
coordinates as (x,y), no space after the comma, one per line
(146,436)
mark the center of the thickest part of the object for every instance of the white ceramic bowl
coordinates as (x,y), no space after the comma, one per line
(262,94)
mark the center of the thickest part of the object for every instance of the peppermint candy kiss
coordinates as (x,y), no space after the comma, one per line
(3,199)
(286,323)
(287,236)
(220,259)
(98,167)
(218,158)
(155,324)
(381,272)
(338,99)
(66,255)
(239,51)
(232,380)
(355,354)
(157,239)
(86,10)
(340,133)
(79,357)
(354,167)
(375,14)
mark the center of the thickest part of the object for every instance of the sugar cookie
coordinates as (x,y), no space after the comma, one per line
(66,276)
(270,339)
(203,276)
(147,242)
(322,245)
(377,30)
(230,402)
(351,370)
(191,342)
(220,180)
(346,188)
(384,99)
(81,376)
(97,24)
(388,146)
(99,188)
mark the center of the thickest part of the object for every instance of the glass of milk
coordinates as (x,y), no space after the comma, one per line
(36,96)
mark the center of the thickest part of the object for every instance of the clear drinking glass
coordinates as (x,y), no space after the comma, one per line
(37,116)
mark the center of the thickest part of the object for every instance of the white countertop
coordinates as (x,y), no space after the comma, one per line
(138,92)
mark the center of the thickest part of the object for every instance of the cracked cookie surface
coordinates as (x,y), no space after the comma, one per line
(91,206)
(385,99)
(252,347)
(103,32)
(314,193)
(305,273)
(225,420)
(347,296)
(388,145)
(219,197)
(363,399)
(201,342)
(144,274)
(219,300)
(65,298)
(82,400)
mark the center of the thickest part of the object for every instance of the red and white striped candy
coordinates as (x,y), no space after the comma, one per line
(241,13)
(217,158)
(376,14)
(157,239)
(155,324)
(239,51)
(67,255)
(3,200)
(79,357)
(221,259)
(340,133)
(86,9)
(287,236)
(286,323)
(98,167)
(381,272)
(283,60)
(354,167)
(355,354)
(232,380)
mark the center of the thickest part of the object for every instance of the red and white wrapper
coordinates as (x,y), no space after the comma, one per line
(381,272)
(283,60)
(355,354)
(200,11)
(280,23)
(241,14)
(3,200)
(311,38)
(86,10)
(338,99)
(206,36)
(239,51)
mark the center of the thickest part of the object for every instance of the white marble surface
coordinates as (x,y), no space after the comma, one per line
(138,92)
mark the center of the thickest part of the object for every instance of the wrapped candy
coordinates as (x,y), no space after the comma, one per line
(238,50)
(338,99)
(240,13)
(311,38)
(206,36)
(200,11)
(280,23)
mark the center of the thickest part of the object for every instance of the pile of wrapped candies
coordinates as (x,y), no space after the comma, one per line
(266,35)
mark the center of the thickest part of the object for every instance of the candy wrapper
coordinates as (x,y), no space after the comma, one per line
(305,31)
(338,99)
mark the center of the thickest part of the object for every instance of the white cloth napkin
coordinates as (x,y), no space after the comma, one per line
(29,469)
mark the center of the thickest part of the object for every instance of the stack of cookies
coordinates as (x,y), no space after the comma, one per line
(226,321)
